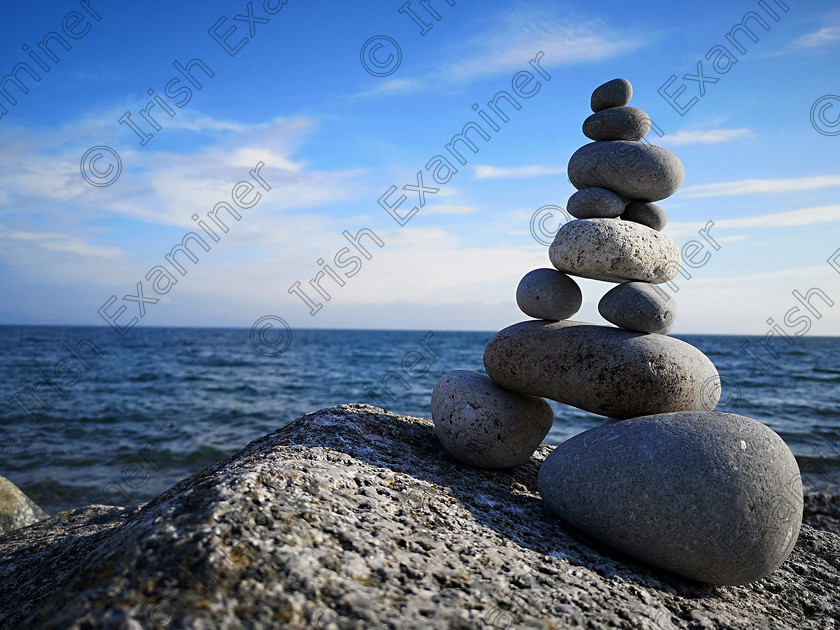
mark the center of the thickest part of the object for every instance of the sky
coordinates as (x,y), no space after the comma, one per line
(344,107)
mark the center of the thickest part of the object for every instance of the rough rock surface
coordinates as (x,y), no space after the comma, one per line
(613,93)
(614,251)
(548,294)
(713,496)
(634,170)
(484,425)
(353,517)
(601,369)
(617,123)
(17,509)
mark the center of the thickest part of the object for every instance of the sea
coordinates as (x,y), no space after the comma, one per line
(160,404)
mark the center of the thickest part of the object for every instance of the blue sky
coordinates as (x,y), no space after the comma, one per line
(334,138)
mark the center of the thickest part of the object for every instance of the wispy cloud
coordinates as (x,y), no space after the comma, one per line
(761,186)
(60,242)
(484,171)
(449,209)
(790,218)
(704,136)
(823,37)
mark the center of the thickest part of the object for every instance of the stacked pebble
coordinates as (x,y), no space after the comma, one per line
(712,496)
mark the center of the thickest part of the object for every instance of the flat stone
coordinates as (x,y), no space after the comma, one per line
(614,251)
(601,369)
(352,501)
(548,294)
(484,425)
(715,497)
(646,213)
(634,170)
(16,509)
(595,203)
(615,93)
(617,123)
(639,306)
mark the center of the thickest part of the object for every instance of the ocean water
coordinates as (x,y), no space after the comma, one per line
(163,403)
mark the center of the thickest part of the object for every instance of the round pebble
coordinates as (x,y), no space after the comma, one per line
(595,203)
(634,170)
(639,306)
(617,123)
(615,93)
(483,425)
(646,213)
(548,294)
(715,497)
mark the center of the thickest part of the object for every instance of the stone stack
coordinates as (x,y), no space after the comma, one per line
(713,496)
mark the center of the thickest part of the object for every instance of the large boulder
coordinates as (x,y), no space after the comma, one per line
(16,509)
(714,496)
(353,517)
(601,369)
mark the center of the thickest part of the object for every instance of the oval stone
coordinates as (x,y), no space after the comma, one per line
(595,203)
(613,93)
(601,369)
(634,170)
(548,294)
(484,425)
(617,123)
(646,213)
(711,496)
(639,306)
(614,251)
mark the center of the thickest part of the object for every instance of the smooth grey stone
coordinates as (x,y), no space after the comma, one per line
(646,213)
(355,500)
(548,294)
(712,496)
(615,93)
(617,123)
(595,203)
(484,425)
(634,170)
(16,509)
(601,369)
(614,251)
(639,306)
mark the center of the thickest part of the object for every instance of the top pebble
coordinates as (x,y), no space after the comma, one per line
(615,93)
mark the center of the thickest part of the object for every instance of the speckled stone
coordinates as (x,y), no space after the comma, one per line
(639,306)
(615,93)
(715,497)
(484,425)
(16,509)
(353,517)
(548,294)
(614,251)
(601,369)
(595,203)
(617,123)
(646,213)
(634,170)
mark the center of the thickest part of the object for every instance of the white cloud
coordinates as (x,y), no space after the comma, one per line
(448,209)
(823,37)
(791,218)
(60,242)
(760,186)
(484,171)
(706,136)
